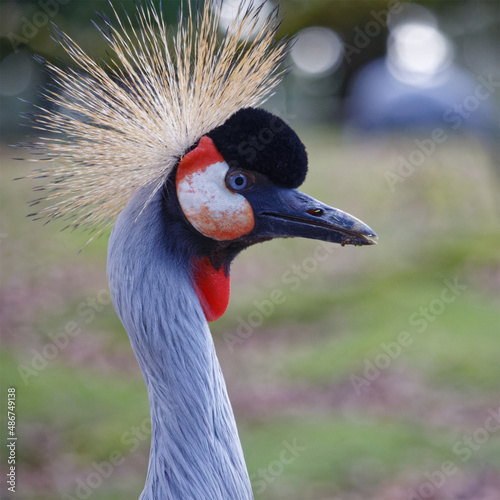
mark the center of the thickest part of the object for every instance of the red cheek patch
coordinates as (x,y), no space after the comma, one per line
(211,208)
(199,158)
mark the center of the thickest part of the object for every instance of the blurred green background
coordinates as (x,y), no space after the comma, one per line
(379,368)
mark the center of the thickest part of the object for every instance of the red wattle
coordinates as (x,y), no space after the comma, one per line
(212,288)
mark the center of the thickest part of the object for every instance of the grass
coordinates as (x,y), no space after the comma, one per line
(291,380)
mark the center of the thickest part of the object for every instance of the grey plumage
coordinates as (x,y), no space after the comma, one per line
(136,139)
(195,451)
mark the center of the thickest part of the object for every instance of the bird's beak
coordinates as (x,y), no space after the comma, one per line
(285,213)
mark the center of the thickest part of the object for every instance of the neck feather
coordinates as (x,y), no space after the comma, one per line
(195,449)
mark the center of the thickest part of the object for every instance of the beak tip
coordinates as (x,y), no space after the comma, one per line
(367,234)
(366,237)
(372,238)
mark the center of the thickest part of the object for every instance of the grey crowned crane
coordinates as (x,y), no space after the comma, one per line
(160,135)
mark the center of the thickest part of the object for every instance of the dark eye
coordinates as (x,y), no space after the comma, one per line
(239,181)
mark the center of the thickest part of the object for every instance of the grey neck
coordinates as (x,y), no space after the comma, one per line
(195,448)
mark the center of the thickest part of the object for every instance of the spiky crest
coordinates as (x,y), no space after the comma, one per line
(120,125)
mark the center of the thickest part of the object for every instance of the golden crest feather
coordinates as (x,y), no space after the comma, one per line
(123,124)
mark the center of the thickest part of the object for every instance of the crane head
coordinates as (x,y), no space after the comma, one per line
(237,187)
(182,121)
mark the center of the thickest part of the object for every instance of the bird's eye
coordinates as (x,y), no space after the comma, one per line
(239,181)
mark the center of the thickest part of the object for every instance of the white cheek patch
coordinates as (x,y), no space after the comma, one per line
(210,206)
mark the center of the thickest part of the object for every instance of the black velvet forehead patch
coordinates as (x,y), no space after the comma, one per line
(255,139)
